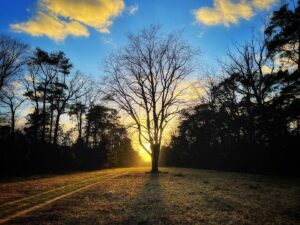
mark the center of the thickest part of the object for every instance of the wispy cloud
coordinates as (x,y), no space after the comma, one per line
(59,18)
(263,4)
(200,35)
(133,9)
(227,12)
(107,40)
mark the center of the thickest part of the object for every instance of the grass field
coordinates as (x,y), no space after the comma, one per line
(130,196)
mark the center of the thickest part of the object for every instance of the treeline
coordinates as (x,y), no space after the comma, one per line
(39,97)
(249,119)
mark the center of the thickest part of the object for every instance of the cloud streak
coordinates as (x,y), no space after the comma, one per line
(133,9)
(227,12)
(263,4)
(58,19)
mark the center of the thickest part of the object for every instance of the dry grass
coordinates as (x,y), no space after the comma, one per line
(183,196)
(30,201)
(19,188)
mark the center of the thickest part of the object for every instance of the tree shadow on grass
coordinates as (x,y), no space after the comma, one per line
(149,206)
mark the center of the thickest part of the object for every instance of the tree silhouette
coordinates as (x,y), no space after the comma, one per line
(46,70)
(78,110)
(12,59)
(65,91)
(13,101)
(283,33)
(248,119)
(53,90)
(144,81)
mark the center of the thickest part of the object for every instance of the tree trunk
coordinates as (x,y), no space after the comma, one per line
(51,126)
(44,115)
(80,127)
(298,54)
(87,137)
(155,149)
(56,128)
(13,124)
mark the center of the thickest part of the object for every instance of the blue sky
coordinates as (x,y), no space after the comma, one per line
(211,25)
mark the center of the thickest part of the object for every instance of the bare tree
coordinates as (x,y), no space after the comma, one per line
(12,53)
(249,67)
(145,78)
(90,96)
(66,91)
(251,82)
(13,101)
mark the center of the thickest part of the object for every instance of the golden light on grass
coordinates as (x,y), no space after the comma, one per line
(242,198)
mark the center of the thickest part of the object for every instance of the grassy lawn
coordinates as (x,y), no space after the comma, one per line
(181,196)
(18,188)
(36,192)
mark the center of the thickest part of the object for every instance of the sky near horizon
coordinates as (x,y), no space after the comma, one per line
(88,30)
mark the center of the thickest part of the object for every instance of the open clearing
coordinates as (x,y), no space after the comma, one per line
(130,196)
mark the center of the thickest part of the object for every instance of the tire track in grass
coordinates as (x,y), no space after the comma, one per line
(94,177)
(12,207)
(41,202)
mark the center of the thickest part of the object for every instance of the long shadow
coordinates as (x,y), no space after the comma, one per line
(149,206)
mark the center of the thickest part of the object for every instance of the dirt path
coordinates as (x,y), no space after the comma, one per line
(28,204)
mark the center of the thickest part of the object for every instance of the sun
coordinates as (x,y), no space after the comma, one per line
(144,155)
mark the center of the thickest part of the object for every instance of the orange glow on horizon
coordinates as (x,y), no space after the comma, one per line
(144,155)
(194,89)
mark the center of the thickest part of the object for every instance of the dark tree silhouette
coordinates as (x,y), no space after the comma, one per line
(13,101)
(45,70)
(248,120)
(77,110)
(65,91)
(89,97)
(283,33)
(53,90)
(99,121)
(12,59)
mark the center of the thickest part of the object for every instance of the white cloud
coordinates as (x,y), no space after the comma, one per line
(98,14)
(49,25)
(59,18)
(133,9)
(227,12)
(263,4)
